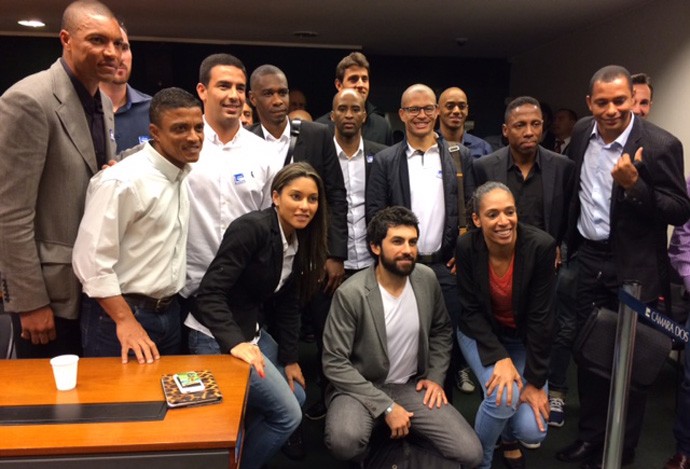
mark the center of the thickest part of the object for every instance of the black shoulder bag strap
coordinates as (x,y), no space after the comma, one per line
(454,150)
(295,127)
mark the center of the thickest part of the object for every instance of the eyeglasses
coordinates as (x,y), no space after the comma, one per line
(451,105)
(414,110)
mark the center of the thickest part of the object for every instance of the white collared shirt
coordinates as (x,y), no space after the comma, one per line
(401,315)
(596,183)
(426,195)
(280,144)
(289,252)
(133,235)
(228,181)
(354,176)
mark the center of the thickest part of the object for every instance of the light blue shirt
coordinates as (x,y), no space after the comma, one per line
(596,183)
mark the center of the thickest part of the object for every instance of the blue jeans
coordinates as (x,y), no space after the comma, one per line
(511,422)
(273,410)
(99,336)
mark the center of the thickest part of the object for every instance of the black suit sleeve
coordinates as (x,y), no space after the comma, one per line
(336,196)
(377,188)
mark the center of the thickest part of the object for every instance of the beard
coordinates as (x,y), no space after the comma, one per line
(392,266)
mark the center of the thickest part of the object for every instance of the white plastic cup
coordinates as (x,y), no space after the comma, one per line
(65,371)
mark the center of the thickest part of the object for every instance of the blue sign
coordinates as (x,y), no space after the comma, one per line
(659,321)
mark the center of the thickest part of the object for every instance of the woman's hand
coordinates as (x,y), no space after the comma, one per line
(251,354)
(538,400)
(504,375)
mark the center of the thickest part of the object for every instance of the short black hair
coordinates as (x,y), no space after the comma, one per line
(390,217)
(608,74)
(170,98)
(214,60)
(263,71)
(517,102)
(643,79)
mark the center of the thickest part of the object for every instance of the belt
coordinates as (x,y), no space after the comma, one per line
(434,258)
(158,305)
(601,246)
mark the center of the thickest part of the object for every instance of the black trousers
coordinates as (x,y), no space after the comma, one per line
(598,287)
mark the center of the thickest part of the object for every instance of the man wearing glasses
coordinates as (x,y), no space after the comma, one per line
(419,173)
(453,109)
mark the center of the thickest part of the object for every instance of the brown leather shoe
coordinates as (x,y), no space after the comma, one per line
(678,461)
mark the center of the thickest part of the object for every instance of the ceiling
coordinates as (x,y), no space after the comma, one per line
(491,28)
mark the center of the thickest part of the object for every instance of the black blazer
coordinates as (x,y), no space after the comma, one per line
(242,279)
(389,184)
(371,149)
(315,146)
(375,129)
(556,176)
(640,218)
(534,280)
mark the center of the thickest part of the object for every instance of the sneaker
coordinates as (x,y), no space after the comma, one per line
(294,446)
(557,413)
(464,382)
(316,411)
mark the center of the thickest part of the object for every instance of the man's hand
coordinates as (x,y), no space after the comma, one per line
(130,333)
(109,164)
(250,353)
(559,259)
(399,421)
(504,375)
(625,172)
(294,373)
(434,396)
(538,401)
(451,265)
(38,325)
(335,271)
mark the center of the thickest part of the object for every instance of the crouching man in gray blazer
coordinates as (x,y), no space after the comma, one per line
(387,344)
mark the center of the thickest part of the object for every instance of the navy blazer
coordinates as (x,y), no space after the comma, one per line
(640,218)
(315,146)
(556,176)
(242,279)
(534,278)
(389,185)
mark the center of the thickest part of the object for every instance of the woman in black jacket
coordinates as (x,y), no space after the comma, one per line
(506,281)
(268,261)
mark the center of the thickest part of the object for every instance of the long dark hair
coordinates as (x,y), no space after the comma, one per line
(313,249)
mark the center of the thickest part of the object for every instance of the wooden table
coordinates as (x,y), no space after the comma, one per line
(204,436)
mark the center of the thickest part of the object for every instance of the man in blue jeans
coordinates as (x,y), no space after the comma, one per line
(130,250)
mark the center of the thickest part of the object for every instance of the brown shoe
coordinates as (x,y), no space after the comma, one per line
(678,461)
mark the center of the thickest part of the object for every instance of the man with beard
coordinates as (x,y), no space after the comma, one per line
(131,107)
(387,346)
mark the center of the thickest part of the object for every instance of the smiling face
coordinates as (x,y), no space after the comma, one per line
(642,94)
(398,251)
(92,49)
(453,109)
(523,129)
(296,203)
(611,105)
(497,218)
(179,135)
(224,96)
(419,123)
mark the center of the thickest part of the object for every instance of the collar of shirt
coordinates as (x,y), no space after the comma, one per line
(169,170)
(512,165)
(90,103)
(133,97)
(211,136)
(294,244)
(621,140)
(285,136)
(341,153)
(410,152)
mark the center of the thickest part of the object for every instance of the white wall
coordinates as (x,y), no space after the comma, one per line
(654,39)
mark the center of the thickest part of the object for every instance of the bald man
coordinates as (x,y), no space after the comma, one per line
(419,173)
(453,112)
(60,133)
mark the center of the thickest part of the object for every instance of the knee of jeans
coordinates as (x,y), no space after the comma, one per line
(345,443)
(503,409)
(527,430)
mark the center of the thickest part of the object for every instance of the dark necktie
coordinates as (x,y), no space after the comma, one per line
(558,147)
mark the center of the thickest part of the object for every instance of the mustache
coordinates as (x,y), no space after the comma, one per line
(406,257)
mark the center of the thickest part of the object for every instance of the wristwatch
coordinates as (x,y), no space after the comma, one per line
(388,410)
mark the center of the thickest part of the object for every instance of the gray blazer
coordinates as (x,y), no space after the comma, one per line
(355,354)
(46,162)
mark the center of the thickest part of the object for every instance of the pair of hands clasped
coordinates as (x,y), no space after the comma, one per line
(398,420)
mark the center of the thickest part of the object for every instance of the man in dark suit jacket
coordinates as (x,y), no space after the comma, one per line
(630,187)
(57,131)
(352,72)
(313,144)
(538,178)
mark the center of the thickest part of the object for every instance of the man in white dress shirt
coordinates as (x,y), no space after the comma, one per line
(130,250)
